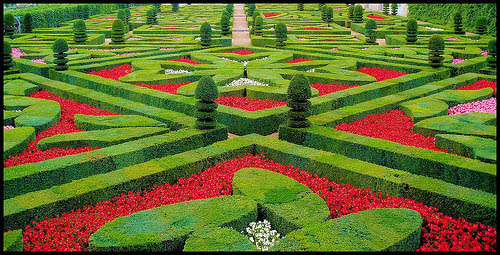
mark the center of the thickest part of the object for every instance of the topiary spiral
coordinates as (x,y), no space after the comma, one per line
(411,31)
(206,34)
(299,91)
(117,32)
(80,31)
(59,48)
(370,27)
(358,14)
(281,34)
(436,49)
(492,53)
(206,92)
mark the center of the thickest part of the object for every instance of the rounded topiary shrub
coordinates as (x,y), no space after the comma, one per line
(259,22)
(386,8)
(411,31)
(122,15)
(298,94)
(370,27)
(225,24)
(328,15)
(151,17)
(117,32)
(300,7)
(323,12)
(457,23)
(481,25)
(206,92)
(358,14)
(281,32)
(205,34)
(492,53)
(7,57)
(27,23)
(394,9)
(80,31)
(9,24)
(350,12)
(59,48)
(436,50)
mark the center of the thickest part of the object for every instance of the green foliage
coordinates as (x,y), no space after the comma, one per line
(370,26)
(298,93)
(79,12)
(175,7)
(60,45)
(320,6)
(322,10)
(157,7)
(79,25)
(230,8)
(13,241)
(206,34)
(436,50)
(259,22)
(16,140)
(122,15)
(492,53)
(481,25)
(7,58)
(386,8)
(328,14)
(251,9)
(59,48)
(457,23)
(9,24)
(86,11)
(394,9)
(358,14)
(79,30)
(27,23)
(411,31)
(281,31)
(436,42)
(117,32)
(151,17)
(225,24)
(300,7)
(351,12)
(206,90)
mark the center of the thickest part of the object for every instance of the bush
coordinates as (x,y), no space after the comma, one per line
(281,34)
(80,31)
(206,92)
(157,8)
(27,23)
(457,23)
(394,9)
(259,22)
(206,34)
(323,12)
(117,32)
(251,9)
(481,25)
(411,31)
(386,8)
(151,17)
(86,12)
(59,48)
(7,58)
(122,15)
(225,24)
(436,49)
(79,12)
(370,27)
(328,14)
(298,93)
(127,12)
(320,6)
(492,53)
(300,7)
(229,9)
(358,14)
(351,12)
(175,7)
(9,24)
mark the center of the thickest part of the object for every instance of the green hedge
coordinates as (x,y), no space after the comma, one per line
(38,113)
(13,241)
(469,146)
(218,239)
(88,122)
(15,140)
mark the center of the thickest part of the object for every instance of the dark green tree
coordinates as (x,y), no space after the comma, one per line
(206,92)
(350,13)
(230,9)
(122,15)
(225,24)
(175,7)
(80,31)
(300,7)
(86,12)
(79,12)
(157,8)
(27,23)
(328,15)
(7,57)
(492,53)
(59,48)
(436,49)
(457,23)
(9,24)
(394,9)
(323,12)
(151,17)
(130,27)
(358,14)
(117,32)
(259,22)
(481,25)
(370,27)
(206,34)
(411,31)
(386,8)
(256,13)
(251,9)
(281,34)
(298,94)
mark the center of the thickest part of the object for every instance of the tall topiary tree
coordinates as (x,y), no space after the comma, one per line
(251,9)
(7,57)
(127,12)
(206,34)
(457,23)
(9,24)
(79,12)
(411,31)
(256,13)
(394,9)
(59,48)
(350,12)
(259,22)
(175,7)
(86,12)
(370,27)
(323,12)
(117,32)
(206,92)
(281,31)
(436,49)
(151,17)
(300,7)
(481,25)
(358,14)
(27,23)
(157,8)
(492,53)
(80,31)
(122,15)
(298,94)
(328,15)
(386,8)
(225,24)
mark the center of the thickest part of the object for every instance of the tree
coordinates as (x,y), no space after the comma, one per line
(328,14)
(27,23)
(394,9)
(127,12)
(151,17)
(256,13)
(358,14)
(481,25)
(492,54)
(157,8)
(206,92)
(457,23)
(9,24)
(281,31)
(122,15)
(298,94)
(230,9)
(117,32)
(300,7)
(323,12)
(80,31)
(386,8)
(175,7)
(436,49)
(370,26)
(59,48)
(79,12)
(259,22)
(86,12)
(7,57)
(206,34)
(251,9)
(351,12)
(411,31)
(225,24)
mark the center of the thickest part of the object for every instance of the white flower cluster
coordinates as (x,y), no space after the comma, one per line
(269,29)
(197,38)
(261,235)
(172,71)
(245,81)
(310,70)
(244,63)
(434,28)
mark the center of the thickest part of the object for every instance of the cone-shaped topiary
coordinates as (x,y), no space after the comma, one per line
(481,24)
(350,12)
(151,17)
(281,31)
(251,9)
(59,48)
(436,49)
(300,7)
(7,58)
(492,53)
(175,7)
(86,12)
(411,31)
(80,31)
(386,8)
(323,12)
(9,24)
(117,32)
(127,12)
(299,91)
(358,14)
(122,15)
(225,24)
(206,92)
(457,23)
(394,9)
(206,34)
(370,27)
(328,15)
(27,23)
(259,22)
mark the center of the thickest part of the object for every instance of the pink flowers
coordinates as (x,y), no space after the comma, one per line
(16,53)
(330,87)
(484,53)
(169,28)
(381,74)
(375,17)
(114,73)
(334,49)
(169,87)
(162,49)
(241,52)
(178,38)
(302,39)
(313,28)
(102,49)
(248,104)
(488,105)
(480,85)
(268,15)
(134,38)
(329,40)
(457,60)
(453,39)
(39,60)
(125,54)
(297,60)
(8,127)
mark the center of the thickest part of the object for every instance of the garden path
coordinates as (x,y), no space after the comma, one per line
(241,35)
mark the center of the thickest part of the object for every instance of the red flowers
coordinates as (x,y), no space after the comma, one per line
(113,73)
(297,60)
(329,40)
(313,28)
(248,104)
(375,17)
(241,52)
(267,15)
(330,87)
(394,126)
(169,87)
(481,84)
(187,60)
(381,74)
(71,231)
(169,28)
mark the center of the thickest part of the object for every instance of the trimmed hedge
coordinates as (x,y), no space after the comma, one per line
(218,239)
(38,113)
(469,146)
(15,140)
(13,241)
(88,122)
(19,88)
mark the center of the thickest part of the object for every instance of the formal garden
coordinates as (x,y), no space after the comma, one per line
(249,127)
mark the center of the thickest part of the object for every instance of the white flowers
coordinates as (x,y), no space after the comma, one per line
(172,71)
(310,70)
(261,235)
(244,63)
(245,81)
(433,28)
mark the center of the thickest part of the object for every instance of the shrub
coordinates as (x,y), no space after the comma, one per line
(436,49)
(394,9)
(411,31)
(151,17)
(259,21)
(122,15)
(328,15)
(130,27)
(206,92)
(492,53)
(80,12)
(80,31)
(206,34)
(59,48)
(281,34)
(300,7)
(358,14)
(27,23)
(117,32)
(175,7)
(157,8)
(7,58)
(386,8)
(229,9)
(323,12)
(225,24)
(457,23)
(351,12)
(299,91)
(9,24)
(481,25)
(320,6)
(86,12)
(370,27)
(251,9)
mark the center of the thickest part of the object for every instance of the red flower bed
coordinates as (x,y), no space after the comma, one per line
(375,17)
(66,125)
(481,84)
(169,87)
(248,104)
(394,126)
(169,28)
(267,15)
(71,231)
(381,74)
(297,60)
(187,60)
(330,87)
(113,73)
(313,28)
(241,52)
